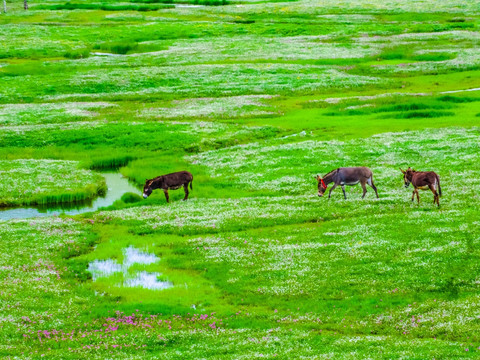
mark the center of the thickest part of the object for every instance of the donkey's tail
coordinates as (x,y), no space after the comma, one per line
(191,188)
(439,188)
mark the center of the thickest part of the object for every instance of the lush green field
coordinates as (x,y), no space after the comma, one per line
(254,98)
(24,182)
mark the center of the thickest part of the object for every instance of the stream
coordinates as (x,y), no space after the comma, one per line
(117,186)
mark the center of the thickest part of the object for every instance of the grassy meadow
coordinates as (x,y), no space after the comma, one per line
(254,98)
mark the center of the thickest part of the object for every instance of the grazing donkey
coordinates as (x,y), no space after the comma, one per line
(167,182)
(423,180)
(346,176)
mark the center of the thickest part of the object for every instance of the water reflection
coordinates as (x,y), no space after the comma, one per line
(103,268)
(148,281)
(131,256)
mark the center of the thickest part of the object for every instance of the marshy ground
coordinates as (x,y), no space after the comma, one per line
(254,98)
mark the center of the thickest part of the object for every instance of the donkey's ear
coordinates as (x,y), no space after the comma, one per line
(402,170)
(318,177)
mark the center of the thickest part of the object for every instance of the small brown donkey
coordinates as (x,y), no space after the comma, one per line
(167,182)
(346,176)
(423,180)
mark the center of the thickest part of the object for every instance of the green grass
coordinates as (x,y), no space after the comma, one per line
(254,98)
(106,7)
(40,182)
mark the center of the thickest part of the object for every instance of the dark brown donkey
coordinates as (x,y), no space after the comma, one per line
(167,182)
(423,180)
(346,176)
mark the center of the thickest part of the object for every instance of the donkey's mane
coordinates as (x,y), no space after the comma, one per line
(151,181)
(324,176)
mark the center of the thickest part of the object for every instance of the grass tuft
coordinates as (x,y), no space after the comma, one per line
(423,114)
(458,99)
(77,54)
(117,47)
(129,198)
(105,7)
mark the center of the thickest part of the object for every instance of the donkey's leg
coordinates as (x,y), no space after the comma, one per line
(364,188)
(413,195)
(185,187)
(435,194)
(330,192)
(166,195)
(418,196)
(344,193)
(372,185)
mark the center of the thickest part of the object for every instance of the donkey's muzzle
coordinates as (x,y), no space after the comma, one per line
(145,196)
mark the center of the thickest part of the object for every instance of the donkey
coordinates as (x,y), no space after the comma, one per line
(346,176)
(423,180)
(167,182)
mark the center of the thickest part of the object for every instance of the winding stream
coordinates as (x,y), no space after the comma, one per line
(117,186)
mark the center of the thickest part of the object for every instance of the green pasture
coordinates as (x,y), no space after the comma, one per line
(26,182)
(254,98)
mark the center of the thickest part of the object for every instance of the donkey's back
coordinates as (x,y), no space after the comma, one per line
(356,172)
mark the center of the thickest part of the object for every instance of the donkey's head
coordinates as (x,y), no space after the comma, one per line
(147,188)
(407,176)
(321,186)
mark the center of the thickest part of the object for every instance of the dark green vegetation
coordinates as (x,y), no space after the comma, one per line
(254,98)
